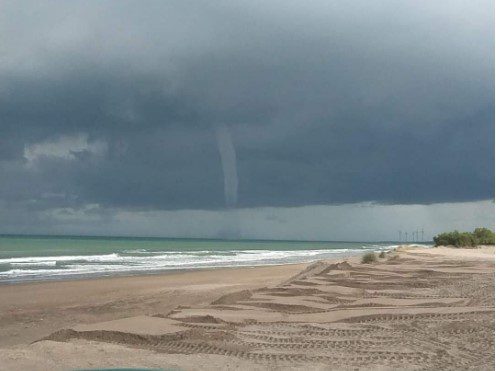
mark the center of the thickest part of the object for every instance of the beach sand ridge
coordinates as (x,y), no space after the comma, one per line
(413,309)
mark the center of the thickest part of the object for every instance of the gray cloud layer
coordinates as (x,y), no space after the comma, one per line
(115,103)
(351,222)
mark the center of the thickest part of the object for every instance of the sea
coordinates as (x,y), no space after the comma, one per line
(40,258)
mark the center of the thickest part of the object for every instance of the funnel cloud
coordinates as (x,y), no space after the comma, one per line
(114,108)
(229,169)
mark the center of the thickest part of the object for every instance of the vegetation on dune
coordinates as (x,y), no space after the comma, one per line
(369,257)
(382,254)
(480,236)
(484,236)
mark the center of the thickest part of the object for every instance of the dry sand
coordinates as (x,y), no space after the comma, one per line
(415,309)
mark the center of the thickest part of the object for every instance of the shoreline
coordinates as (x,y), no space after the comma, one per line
(143,273)
(31,310)
(261,317)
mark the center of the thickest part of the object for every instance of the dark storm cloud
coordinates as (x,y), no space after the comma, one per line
(327,103)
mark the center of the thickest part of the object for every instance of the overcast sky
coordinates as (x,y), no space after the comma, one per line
(159,117)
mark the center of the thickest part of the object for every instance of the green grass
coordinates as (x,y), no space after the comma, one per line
(369,257)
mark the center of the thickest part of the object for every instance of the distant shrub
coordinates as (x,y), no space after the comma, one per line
(484,236)
(480,236)
(369,257)
(382,254)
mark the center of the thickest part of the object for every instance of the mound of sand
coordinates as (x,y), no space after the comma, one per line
(419,309)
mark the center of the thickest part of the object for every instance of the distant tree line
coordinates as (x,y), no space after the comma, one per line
(480,236)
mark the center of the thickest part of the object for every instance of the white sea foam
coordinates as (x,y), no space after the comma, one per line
(34,264)
(141,260)
(35,259)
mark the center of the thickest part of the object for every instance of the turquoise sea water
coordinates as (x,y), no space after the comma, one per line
(30,258)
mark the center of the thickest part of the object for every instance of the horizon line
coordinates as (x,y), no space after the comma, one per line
(29,235)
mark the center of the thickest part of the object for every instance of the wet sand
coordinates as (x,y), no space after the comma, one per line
(416,308)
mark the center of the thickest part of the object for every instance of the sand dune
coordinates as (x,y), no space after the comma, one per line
(414,309)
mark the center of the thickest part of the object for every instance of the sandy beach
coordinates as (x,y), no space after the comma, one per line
(416,308)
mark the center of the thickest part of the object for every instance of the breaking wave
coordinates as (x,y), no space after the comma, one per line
(144,261)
